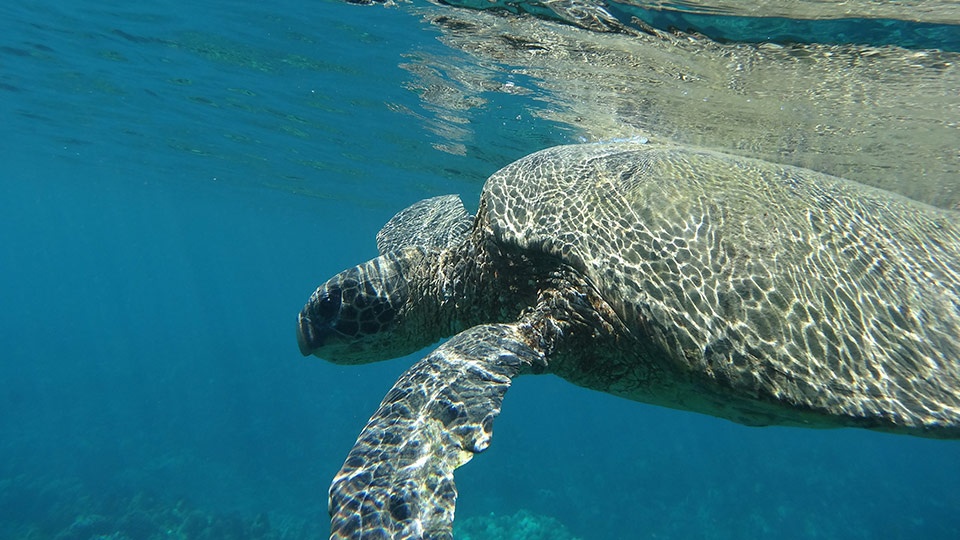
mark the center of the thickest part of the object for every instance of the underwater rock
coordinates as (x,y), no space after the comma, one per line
(138,524)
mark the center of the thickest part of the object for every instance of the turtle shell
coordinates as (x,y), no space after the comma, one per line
(771,283)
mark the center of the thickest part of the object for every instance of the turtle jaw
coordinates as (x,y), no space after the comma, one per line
(309,337)
(318,335)
(317,321)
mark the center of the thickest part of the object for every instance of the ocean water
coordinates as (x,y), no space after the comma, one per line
(176,179)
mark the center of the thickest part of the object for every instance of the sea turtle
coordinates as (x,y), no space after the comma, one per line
(761,293)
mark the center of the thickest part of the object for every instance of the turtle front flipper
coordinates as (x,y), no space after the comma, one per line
(397,481)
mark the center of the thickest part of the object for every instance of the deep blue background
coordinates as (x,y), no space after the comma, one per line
(175,181)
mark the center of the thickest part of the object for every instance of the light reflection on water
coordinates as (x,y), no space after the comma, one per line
(885,116)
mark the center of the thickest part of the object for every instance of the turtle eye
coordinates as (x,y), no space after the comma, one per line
(328,304)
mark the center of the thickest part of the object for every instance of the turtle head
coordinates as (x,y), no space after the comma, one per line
(381,309)
(358,315)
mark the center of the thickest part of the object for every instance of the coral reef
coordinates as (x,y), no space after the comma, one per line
(40,510)
(50,508)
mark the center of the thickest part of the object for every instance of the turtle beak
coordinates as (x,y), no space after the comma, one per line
(317,320)
(306,338)
(311,336)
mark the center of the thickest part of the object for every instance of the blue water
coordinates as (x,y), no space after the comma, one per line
(175,181)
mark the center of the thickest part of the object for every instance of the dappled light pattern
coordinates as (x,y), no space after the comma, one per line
(769,290)
(761,293)
(397,482)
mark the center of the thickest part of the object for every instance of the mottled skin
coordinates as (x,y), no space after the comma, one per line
(687,278)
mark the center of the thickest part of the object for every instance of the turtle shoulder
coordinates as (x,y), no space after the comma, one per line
(803,297)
